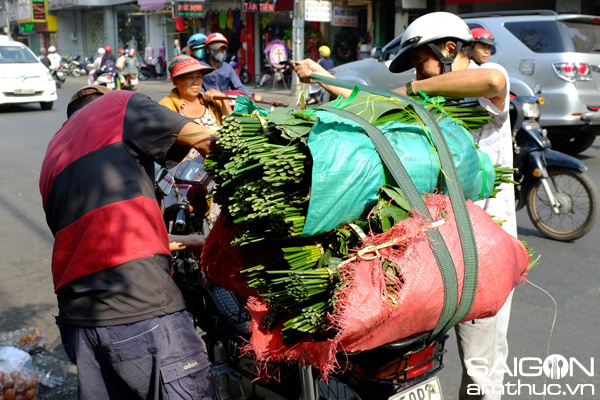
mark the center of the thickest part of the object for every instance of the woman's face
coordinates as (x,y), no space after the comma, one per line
(481,52)
(189,85)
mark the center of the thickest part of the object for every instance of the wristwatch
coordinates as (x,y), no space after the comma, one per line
(409,89)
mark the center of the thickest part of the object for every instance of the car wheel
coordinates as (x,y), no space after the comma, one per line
(46,105)
(572,142)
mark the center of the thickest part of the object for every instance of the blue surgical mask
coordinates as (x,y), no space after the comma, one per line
(199,52)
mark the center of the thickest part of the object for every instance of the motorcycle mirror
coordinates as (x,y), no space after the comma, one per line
(164,181)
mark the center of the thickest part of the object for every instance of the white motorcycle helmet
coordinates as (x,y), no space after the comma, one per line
(101,51)
(428,29)
(51,49)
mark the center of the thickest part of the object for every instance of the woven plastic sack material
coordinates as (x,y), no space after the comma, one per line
(222,263)
(347,170)
(366,317)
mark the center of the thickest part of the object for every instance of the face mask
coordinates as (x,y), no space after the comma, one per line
(199,53)
(219,57)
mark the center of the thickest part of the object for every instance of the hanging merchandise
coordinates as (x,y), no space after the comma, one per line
(265,20)
(222,19)
(214,26)
(236,18)
(180,26)
(230,18)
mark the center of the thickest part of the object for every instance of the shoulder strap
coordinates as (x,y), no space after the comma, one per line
(452,311)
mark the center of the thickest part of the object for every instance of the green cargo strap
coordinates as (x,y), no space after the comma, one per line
(461,214)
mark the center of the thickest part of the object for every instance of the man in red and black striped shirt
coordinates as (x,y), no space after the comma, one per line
(121,316)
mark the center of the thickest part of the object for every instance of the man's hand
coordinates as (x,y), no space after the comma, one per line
(212,93)
(307,67)
(193,243)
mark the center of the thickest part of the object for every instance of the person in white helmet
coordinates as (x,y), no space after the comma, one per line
(95,70)
(54,58)
(438,46)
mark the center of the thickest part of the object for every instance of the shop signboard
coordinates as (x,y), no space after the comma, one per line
(26,28)
(58,4)
(259,6)
(188,9)
(317,11)
(149,5)
(38,10)
(345,16)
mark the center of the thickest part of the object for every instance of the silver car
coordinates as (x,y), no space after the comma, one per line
(540,49)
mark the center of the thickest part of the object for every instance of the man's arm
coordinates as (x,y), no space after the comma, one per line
(235,82)
(197,136)
(480,82)
(307,67)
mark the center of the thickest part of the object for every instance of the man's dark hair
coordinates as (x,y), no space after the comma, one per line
(465,49)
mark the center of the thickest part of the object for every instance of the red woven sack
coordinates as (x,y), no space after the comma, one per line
(366,314)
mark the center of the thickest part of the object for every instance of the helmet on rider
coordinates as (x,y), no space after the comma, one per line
(101,51)
(131,52)
(483,35)
(217,45)
(216,40)
(430,29)
(51,49)
(197,39)
(121,52)
(108,49)
(196,44)
(325,51)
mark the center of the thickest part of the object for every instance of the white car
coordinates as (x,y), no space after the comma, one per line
(23,78)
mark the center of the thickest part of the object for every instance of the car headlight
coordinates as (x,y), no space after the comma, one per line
(531,110)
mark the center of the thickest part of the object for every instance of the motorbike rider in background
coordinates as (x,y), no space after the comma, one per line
(223,78)
(131,65)
(96,66)
(483,40)
(54,58)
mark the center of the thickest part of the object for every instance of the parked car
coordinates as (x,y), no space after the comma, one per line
(23,78)
(540,49)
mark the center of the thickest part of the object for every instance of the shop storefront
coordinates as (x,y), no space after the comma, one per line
(35,27)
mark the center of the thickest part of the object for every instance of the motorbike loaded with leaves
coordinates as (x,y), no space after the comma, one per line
(277,293)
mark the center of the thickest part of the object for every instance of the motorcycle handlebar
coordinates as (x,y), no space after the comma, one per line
(180,223)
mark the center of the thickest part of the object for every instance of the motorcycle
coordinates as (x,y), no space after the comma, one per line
(109,77)
(131,82)
(75,67)
(150,71)
(59,77)
(239,65)
(397,371)
(561,200)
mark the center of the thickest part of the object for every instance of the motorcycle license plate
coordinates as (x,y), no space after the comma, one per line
(110,85)
(134,81)
(428,390)
(60,73)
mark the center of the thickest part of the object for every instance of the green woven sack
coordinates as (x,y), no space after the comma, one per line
(347,170)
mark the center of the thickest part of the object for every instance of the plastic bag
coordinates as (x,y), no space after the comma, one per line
(17,378)
(347,170)
(26,339)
